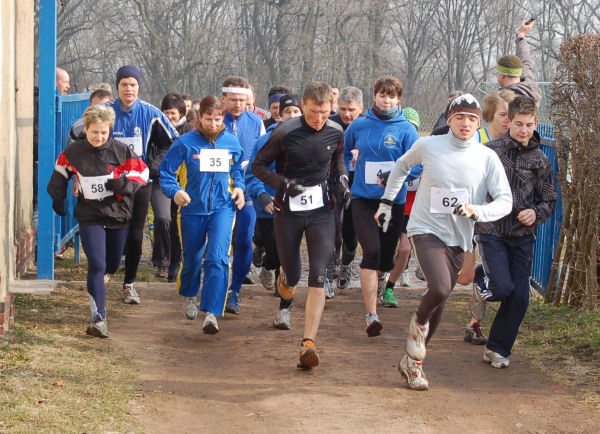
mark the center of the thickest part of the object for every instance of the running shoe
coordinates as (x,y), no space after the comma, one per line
(210,324)
(412,370)
(474,334)
(374,326)
(130,295)
(329,294)
(495,359)
(405,278)
(257,256)
(419,274)
(283,321)
(106,278)
(308,355)
(163,271)
(267,278)
(97,327)
(477,303)
(248,279)
(286,292)
(388,298)
(344,276)
(190,307)
(381,281)
(415,341)
(232,305)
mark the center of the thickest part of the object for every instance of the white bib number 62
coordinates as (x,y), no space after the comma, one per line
(444,200)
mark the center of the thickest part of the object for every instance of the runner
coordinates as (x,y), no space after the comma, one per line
(211,180)
(506,245)
(305,151)
(262,195)
(247,127)
(381,137)
(450,198)
(147,132)
(108,173)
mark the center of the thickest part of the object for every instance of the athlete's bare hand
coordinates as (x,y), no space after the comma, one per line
(524,28)
(238,197)
(182,198)
(527,217)
(75,188)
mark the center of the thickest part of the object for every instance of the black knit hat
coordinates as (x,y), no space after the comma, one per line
(289,99)
(129,71)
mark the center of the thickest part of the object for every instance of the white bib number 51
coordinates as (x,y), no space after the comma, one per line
(94,187)
(311,198)
(214,160)
(444,200)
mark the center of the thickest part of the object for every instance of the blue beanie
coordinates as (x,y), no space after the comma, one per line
(129,71)
(275,98)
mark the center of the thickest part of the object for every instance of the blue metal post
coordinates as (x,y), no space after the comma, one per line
(46,137)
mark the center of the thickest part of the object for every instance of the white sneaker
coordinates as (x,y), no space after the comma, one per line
(329,294)
(381,281)
(405,278)
(267,278)
(374,325)
(495,359)
(130,295)
(283,321)
(190,307)
(210,324)
(415,341)
(412,370)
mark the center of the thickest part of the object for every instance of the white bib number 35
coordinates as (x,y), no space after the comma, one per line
(94,187)
(311,198)
(374,169)
(214,160)
(444,200)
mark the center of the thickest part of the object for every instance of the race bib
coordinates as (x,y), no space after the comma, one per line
(374,169)
(214,160)
(444,200)
(312,198)
(413,184)
(94,187)
(134,143)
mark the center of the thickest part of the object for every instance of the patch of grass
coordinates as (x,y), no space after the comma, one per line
(562,342)
(55,378)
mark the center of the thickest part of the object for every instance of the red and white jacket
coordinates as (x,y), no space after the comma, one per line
(92,166)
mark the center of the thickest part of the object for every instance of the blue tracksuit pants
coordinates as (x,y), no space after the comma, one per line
(245,220)
(507,265)
(213,234)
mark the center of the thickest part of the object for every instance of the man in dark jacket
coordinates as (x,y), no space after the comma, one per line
(506,245)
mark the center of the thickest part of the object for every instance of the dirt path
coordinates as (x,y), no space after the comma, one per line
(245,379)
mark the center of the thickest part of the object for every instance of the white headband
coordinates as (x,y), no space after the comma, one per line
(236,90)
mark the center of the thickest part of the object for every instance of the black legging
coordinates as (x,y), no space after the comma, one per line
(133,246)
(267,239)
(320,242)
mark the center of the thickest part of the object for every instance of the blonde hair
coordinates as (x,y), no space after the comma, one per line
(491,101)
(99,114)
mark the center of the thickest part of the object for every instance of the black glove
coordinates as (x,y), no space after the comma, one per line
(264,199)
(383,178)
(59,207)
(293,188)
(117,184)
(343,192)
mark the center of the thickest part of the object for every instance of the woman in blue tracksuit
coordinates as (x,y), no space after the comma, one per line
(381,137)
(262,196)
(208,161)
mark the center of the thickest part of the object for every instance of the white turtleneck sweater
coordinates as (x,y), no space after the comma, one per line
(454,171)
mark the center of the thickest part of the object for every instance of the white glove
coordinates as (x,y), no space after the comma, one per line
(384,214)
(466,211)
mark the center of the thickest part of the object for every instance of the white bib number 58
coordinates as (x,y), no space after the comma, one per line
(311,198)
(94,187)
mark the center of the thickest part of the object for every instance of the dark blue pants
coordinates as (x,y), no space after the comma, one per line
(507,265)
(103,248)
(245,219)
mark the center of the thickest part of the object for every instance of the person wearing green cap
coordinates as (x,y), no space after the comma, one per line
(515,72)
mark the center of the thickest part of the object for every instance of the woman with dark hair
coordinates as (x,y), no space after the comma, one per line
(174,108)
(211,183)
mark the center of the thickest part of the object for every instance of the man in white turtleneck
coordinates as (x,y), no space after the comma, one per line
(462,182)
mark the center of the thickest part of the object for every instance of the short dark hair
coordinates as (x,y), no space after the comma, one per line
(389,86)
(319,92)
(210,103)
(235,81)
(522,105)
(278,89)
(186,97)
(173,100)
(100,93)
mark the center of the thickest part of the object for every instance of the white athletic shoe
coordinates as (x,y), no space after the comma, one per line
(381,281)
(329,294)
(344,276)
(415,341)
(374,325)
(210,324)
(283,321)
(405,278)
(130,295)
(267,278)
(412,370)
(495,359)
(190,307)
